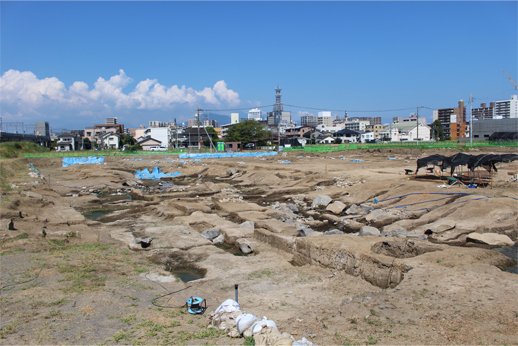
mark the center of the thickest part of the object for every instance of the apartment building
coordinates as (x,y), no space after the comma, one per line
(453,121)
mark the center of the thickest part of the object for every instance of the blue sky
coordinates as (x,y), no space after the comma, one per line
(75,63)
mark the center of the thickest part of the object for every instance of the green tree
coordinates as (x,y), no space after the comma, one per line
(127,139)
(87,144)
(248,131)
(338,141)
(437,131)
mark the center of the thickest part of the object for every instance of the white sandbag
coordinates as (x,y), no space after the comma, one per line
(228,305)
(244,321)
(264,323)
(303,342)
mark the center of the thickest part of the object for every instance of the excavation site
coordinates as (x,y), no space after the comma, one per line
(342,248)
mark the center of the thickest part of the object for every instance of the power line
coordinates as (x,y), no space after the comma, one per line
(235,109)
(345,110)
(319,109)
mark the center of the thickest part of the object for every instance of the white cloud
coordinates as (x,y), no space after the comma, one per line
(23,94)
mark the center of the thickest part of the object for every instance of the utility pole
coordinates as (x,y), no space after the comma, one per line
(198,126)
(176,130)
(470,122)
(417,115)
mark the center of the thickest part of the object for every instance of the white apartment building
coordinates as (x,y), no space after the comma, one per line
(255,114)
(506,109)
(162,134)
(358,125)
(234,118)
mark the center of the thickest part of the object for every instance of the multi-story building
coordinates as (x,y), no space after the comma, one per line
(506,109)
(255,114)
(309,120)
(110,121)
(42,128)
(325,118)
(376,129)
(453,121)
(357,125)
(234,118)
(155,123)
(370,120)
(397,120)
(211,123)
(483,112)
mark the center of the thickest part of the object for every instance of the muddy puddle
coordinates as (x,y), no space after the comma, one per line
(186,272)
(511,252)
(96,214)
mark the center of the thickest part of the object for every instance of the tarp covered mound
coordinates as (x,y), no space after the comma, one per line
(489,161)
(435,160)
(69,161)
(156,174)
(218,155)
(503,136)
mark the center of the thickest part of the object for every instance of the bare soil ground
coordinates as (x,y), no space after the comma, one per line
(67,279)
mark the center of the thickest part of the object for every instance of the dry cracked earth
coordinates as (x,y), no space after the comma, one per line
(300,234)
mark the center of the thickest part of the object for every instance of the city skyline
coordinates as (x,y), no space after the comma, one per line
(74,64)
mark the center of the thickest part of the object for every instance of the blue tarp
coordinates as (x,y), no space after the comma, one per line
(155,175)
(69,161)
(218,155)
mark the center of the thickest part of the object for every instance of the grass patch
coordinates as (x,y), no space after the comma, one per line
(22,236)
(17,149)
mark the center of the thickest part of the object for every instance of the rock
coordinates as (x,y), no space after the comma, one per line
(364,209)
(493,239)
(247,224)
(6,225)
(211,233)
(336,207)
(321,200)
(140,243)
(374,215)
(184,231)
(353,209)
(369,231)
(333,232)
(439,226)
(220,239)
(417,236)
(350,225)
(31,194)
(292,207)
(231,172)
(246,245)
(306,231)
(399,232)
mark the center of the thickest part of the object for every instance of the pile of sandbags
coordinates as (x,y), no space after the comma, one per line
(229,317)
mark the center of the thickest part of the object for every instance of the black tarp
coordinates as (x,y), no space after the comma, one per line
(503,136)
(489,161)
(459,159)
(436,160)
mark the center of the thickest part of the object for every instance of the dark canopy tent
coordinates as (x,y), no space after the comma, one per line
(436,160)
(489,161)
(459,159)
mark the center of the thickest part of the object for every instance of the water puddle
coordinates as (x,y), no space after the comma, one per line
(186,277)
(511,252)
(186,273)
(96,214)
